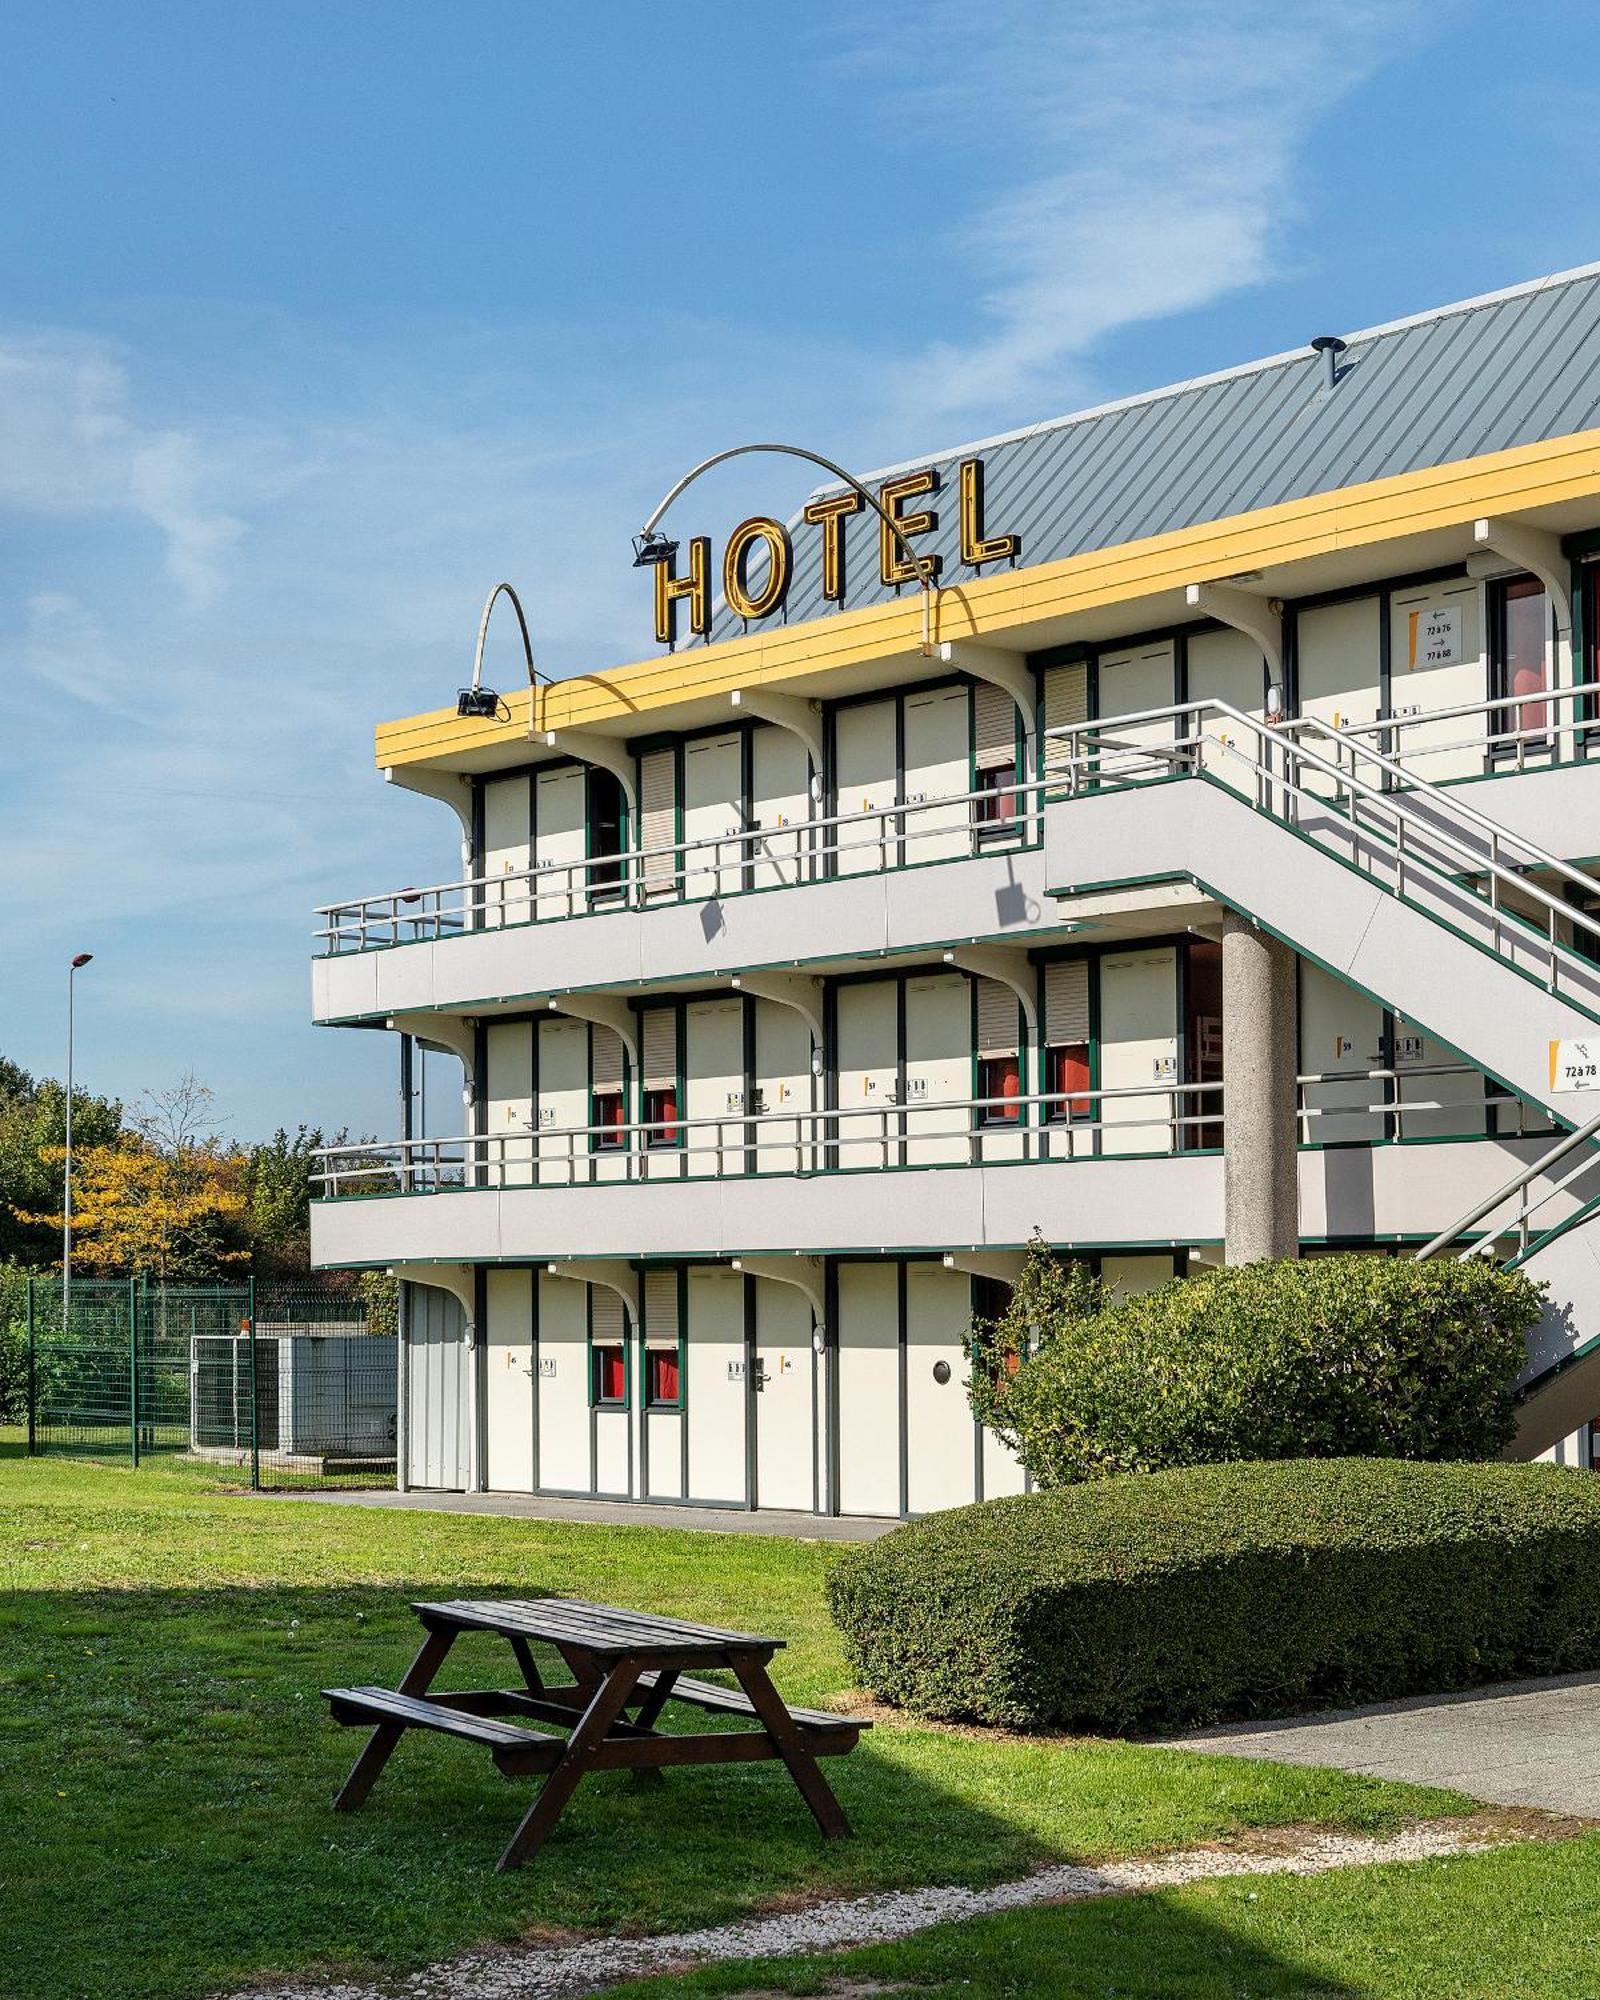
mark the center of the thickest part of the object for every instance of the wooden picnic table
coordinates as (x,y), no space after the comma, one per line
(625,1666)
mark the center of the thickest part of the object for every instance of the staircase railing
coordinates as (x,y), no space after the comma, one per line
(1520,1189)
(1452,851)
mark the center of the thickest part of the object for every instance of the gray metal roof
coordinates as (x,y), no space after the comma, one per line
(1511,368)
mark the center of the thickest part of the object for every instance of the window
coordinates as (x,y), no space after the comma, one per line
(1066,1081)
(996,805)
(606,1113)
(1000,1077)
(662,1379)
(608,815)
(608,1374)
(1520,625)
(661,1117)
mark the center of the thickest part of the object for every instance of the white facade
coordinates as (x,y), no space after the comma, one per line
(767,1100)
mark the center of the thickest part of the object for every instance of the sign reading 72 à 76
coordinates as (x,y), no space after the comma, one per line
(1575,1065)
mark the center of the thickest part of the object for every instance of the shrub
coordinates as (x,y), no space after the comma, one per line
(1332,1357)
(1228,1590)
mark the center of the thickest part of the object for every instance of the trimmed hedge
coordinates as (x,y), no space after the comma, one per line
(1226,1591)
(1333,1357)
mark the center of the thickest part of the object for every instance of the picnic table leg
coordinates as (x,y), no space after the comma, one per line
(780,1725)
(381,1743)
(605,1705)
(656,1700)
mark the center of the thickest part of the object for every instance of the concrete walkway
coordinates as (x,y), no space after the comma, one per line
(1522,1743)
(616,1513)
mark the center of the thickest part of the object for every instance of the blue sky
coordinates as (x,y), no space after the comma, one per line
(316,321)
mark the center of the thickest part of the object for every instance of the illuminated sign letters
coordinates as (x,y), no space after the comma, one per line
(828,516)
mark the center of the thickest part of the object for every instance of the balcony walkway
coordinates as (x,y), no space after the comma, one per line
(617,1513)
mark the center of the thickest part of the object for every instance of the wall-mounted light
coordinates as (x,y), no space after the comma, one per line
(483,703)
(652,547)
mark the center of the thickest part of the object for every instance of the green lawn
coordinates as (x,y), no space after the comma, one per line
(166,1763)
(1519,1924)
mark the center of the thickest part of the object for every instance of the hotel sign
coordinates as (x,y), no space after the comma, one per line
(692,590)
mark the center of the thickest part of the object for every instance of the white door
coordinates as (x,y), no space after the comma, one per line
(938,1068)
(508,1113)
(713,816)
(938,766)
(1125,1277)
(866,781)
(941,1437)
(714,1086)
(780,807)
(1456,1090)
(1436,660)
(1130,683)
(509,1381)
(786,1137)
(868,1361)
(562,1381)
(560,840)
(868,1073)
(717,1392)
(1138,1048)
(784,1398)
(439,1402)
(1337,672)
(563,1108)
(1341,1041)
(507,850)
(1227,666)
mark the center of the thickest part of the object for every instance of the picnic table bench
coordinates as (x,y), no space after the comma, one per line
(625,1666)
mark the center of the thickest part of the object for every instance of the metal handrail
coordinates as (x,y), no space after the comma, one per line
(1393,726)
(1497,832)
(1519,1184)
(636,872)
(489,1150)
(1183,751)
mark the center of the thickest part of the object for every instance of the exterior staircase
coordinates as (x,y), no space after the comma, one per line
(1408,892)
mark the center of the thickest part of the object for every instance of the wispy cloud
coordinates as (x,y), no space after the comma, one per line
(1152,149)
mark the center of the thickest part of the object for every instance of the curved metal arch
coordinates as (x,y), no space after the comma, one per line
(922,564)
(483,633)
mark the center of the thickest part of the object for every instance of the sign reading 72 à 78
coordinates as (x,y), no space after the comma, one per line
(1575,1065)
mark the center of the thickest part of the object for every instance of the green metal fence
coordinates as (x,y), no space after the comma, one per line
(290,1383)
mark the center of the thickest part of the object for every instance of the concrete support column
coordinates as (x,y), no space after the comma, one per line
(1260,1039)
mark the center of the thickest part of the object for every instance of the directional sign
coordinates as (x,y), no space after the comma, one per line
(1575,1065)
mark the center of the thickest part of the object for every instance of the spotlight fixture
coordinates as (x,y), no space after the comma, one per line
(652,547)
(480,701)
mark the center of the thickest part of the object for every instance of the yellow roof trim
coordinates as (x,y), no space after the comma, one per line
(1409,503)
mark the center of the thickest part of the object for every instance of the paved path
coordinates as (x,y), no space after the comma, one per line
(618,1513)
(1523,1743)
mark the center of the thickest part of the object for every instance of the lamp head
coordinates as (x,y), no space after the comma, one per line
(82,958)
(478,701)
(652,547)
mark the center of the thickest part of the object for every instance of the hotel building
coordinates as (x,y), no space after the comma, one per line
(1166,834)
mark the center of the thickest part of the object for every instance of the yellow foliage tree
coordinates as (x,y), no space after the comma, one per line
(177,1216)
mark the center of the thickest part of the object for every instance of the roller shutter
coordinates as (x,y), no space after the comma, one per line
(661,1049)
(661,1308)
(994,728)
(1066,701)
(606,1058)
(607,1320)
(997,1019)
(658,819)
(1066,1003)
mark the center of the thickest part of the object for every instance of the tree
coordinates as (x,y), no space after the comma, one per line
(134,1208)
(277,1180)
(33,1132)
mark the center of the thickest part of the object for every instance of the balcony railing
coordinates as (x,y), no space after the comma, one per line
(1156,1120)
(1517,731)
(945,828)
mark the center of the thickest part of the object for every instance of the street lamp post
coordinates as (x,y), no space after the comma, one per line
(650,547)
(73,969)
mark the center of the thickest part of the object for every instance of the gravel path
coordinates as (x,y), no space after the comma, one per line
(556,1972)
